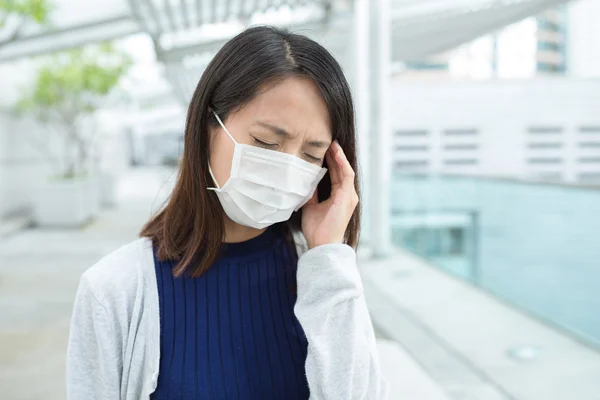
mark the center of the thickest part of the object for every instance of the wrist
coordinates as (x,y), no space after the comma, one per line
(316,243)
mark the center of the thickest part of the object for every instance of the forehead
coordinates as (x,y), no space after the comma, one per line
(293,104)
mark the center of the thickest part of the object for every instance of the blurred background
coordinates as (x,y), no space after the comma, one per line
(479,133)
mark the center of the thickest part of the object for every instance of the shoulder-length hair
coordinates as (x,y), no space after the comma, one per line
(190,228)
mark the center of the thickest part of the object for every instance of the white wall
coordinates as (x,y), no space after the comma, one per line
(20,164)
(501,113)
(18,168)
(583,38)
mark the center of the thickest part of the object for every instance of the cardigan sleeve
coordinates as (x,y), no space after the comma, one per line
(94,355)
(342,361)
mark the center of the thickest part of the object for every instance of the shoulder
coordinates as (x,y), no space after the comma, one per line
(121,275)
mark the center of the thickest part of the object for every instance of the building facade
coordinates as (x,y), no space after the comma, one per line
(551,42)
(539,129)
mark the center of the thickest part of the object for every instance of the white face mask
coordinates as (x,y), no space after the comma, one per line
(265,186)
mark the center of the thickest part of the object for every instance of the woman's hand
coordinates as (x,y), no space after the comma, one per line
(326,222)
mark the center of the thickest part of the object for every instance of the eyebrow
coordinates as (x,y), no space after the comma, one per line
(318,144)
(282,132)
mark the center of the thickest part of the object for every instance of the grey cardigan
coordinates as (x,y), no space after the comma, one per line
(114,351)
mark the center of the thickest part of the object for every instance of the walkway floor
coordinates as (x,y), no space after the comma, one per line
(474,345)
(39,273)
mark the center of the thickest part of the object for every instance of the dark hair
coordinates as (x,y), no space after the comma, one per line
(190,228)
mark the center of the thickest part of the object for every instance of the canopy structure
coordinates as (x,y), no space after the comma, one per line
(366,36)
(186,33)
(187,37)
(419,27)
(424,27)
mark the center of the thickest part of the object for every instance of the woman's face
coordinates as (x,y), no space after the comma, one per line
(288,116)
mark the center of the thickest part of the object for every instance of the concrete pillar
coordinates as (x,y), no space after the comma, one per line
(380,128)
(362,104)
(495,55)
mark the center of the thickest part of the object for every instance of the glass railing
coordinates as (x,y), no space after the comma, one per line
(534,245)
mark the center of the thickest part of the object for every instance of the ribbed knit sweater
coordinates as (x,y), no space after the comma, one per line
(232,333)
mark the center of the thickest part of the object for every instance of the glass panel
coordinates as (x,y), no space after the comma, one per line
(534,245)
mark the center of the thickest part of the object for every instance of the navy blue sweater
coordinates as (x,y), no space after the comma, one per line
(232,333)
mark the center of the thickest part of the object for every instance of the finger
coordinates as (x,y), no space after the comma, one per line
(346,171)
(333,166)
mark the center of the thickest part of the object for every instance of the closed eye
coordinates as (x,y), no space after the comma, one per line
(266,145)
(273,146)
(313,159)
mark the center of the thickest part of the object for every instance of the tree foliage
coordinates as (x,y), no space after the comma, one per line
(69,87)
(36,10)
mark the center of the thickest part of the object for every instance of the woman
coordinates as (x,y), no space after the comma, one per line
(245,285)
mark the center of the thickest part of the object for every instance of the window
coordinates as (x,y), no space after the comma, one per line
(461,146)
(461,161)
(549,46)
(589,160)
(412,132)
(550,67)
(594,130)
(544,160)
(545,130)
(545,145)
(412,148)
(427,65)
(461,132)
(411,163)
(589,145)
(457,242)
(547,25)
(549,176)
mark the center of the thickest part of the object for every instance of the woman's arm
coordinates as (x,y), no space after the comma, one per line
(342,361)
(94,360)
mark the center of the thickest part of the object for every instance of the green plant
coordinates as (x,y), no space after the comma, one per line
(36,10)
(68,89)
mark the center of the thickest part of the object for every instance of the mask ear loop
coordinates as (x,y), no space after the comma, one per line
(214,179)
(223,126)
(230,137)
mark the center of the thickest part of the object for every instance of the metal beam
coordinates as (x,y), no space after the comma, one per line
(10,28)
(252,8)
(178,53)
(184,14)
(152,16)
(213,15)
(242,10)
(138,14)
(68,38)
(227,8)
(199,12)
(169,13)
